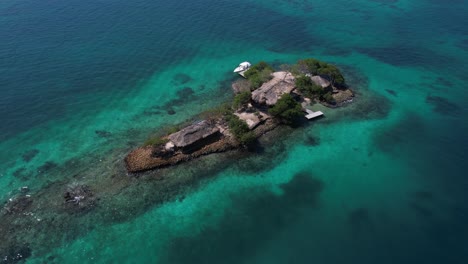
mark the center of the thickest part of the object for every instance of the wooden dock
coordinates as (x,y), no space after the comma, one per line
(311,114)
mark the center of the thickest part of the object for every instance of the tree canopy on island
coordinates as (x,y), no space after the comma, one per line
(287,109)
(258,74)
(316,67)
(309,89)
(240,130)
(241,99)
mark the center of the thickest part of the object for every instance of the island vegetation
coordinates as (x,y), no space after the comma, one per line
(287,109)
(263,100)
(258,74)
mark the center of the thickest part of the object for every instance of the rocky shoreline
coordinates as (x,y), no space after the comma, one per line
(143,159)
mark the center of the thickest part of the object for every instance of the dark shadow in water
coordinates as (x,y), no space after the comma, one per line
(262,159)
(103,133)
(403,55)
(443,106)
(331,50)
(409,129)
(360,221)
(29,155)
(266,154)
(421,209)
(16,254)
(423,195)
(184,95)
(374,107)
(391,92)
(463,44)
(181,78)
(311,140)
(421,201)
(22,174)
(47,166)
(253,221)
(366,104)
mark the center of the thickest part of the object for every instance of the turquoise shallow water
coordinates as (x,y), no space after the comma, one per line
(381,180)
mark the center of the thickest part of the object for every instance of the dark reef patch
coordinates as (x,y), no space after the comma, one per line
(336,51)
(265,154)
(183,96)
(420,209)
(17,205)
(420,202)
(185,93)
(29,155)
(261,159)
(181,78)
(373,107)
(103,133)
(422,195)
(171,111)
(444,81)
(22,174)
(406,131)
(404,55)
(311,140)
(16,254)
(386,2)
(463,44)
(443,105)
(47,166)
(391,92)
(79,198)
(151,112)
(253,221)
(360,220)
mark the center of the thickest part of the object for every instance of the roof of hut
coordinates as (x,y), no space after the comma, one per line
(271,91)
(193,133)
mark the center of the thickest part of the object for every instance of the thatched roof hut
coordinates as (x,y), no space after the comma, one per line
(193,133)
(271,91)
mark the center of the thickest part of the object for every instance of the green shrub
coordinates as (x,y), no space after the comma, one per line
(247,138)
(258,74)
(172,129)
(156,141)
(240,130)
(237,126)
(317,67)
(217,112)
(241,99)
(328,97)
(287,109)
(307,87)
(255,69)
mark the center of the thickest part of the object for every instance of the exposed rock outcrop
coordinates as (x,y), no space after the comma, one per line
(252,119)
(79,197)
(320,81)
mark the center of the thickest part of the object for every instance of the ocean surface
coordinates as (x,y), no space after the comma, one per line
(382,180)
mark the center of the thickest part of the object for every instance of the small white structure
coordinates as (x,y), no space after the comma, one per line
(244,66)
(311,114)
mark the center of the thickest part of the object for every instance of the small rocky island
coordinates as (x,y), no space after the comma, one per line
(263,100)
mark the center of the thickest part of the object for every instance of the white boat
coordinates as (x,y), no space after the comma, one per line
(243,66)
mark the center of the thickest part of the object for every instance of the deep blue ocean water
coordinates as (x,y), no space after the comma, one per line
(382,180)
